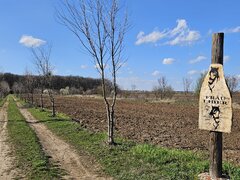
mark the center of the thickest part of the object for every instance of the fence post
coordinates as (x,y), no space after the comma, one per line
(215,145)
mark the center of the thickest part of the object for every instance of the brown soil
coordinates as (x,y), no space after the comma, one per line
(68,159)
(7,168)
(173,124)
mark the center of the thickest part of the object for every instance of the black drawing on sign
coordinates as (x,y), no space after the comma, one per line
(215,113)
(213,78)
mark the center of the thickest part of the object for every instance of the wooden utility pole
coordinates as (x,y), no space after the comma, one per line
(215,145)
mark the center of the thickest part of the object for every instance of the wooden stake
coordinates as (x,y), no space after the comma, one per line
(215,145)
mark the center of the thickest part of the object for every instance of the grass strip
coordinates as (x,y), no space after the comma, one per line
(29,154)
(2,101)
(129,160)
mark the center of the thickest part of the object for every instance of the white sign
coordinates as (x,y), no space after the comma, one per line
(215,103)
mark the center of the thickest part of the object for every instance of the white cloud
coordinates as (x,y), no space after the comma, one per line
(181,26)
(226,58)
(156,73)
(197,59)
(168,60)
(185,37)
(84,66)
(210,32)
(193,72)
(150,38)
(180,35)
(98,67)
(30,41)
(232,30)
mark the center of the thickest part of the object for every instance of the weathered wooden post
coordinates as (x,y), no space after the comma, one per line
(215,106)
(215,144)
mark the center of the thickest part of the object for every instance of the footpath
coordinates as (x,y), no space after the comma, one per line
(7,169)
(61,153)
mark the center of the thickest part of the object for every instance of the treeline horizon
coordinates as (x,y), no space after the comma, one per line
(58,81)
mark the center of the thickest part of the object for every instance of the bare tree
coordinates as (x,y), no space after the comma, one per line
(165,90)
(51,93)
(232,82)
(156,91)
(133,87)
(100,26)
(199,82)
(17,88)
(29,84)
(162,83)
(187,85)
(41,56)
(4,88)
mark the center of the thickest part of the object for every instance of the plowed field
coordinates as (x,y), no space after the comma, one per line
(173,124)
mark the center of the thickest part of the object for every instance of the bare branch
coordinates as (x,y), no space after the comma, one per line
(100,29)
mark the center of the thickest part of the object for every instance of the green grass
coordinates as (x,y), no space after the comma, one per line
(129,160)
(2,101)
(31,159)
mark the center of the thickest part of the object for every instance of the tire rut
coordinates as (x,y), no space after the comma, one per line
(7,161)
(61,152)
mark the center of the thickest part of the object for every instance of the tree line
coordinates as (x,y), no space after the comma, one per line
(12,82)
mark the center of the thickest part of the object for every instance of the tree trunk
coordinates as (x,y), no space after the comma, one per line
(28,97)
(53,108)
(110,126)
(41,99)
(51,96)
(32,98)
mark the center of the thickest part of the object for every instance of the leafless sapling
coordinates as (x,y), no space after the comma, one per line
(29,82)
(100,26)
(41,56)
(187,85)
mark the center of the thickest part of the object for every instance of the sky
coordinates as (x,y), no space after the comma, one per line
(170,38)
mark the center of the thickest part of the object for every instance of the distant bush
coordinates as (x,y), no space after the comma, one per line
(233,83)
(163,90)
(64,91)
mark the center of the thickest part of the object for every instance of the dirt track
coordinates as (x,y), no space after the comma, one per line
(61,152)
(7,169)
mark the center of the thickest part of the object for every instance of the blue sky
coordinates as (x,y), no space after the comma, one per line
(167,38)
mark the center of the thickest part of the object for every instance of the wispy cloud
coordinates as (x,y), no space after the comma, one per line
(84,66)
(193,72)
(150,38)
(156,73)
(96,66)
(30,41)
(185,38)
(226,58)
(180,35)
(168,60)
(197,59)
(232,30)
